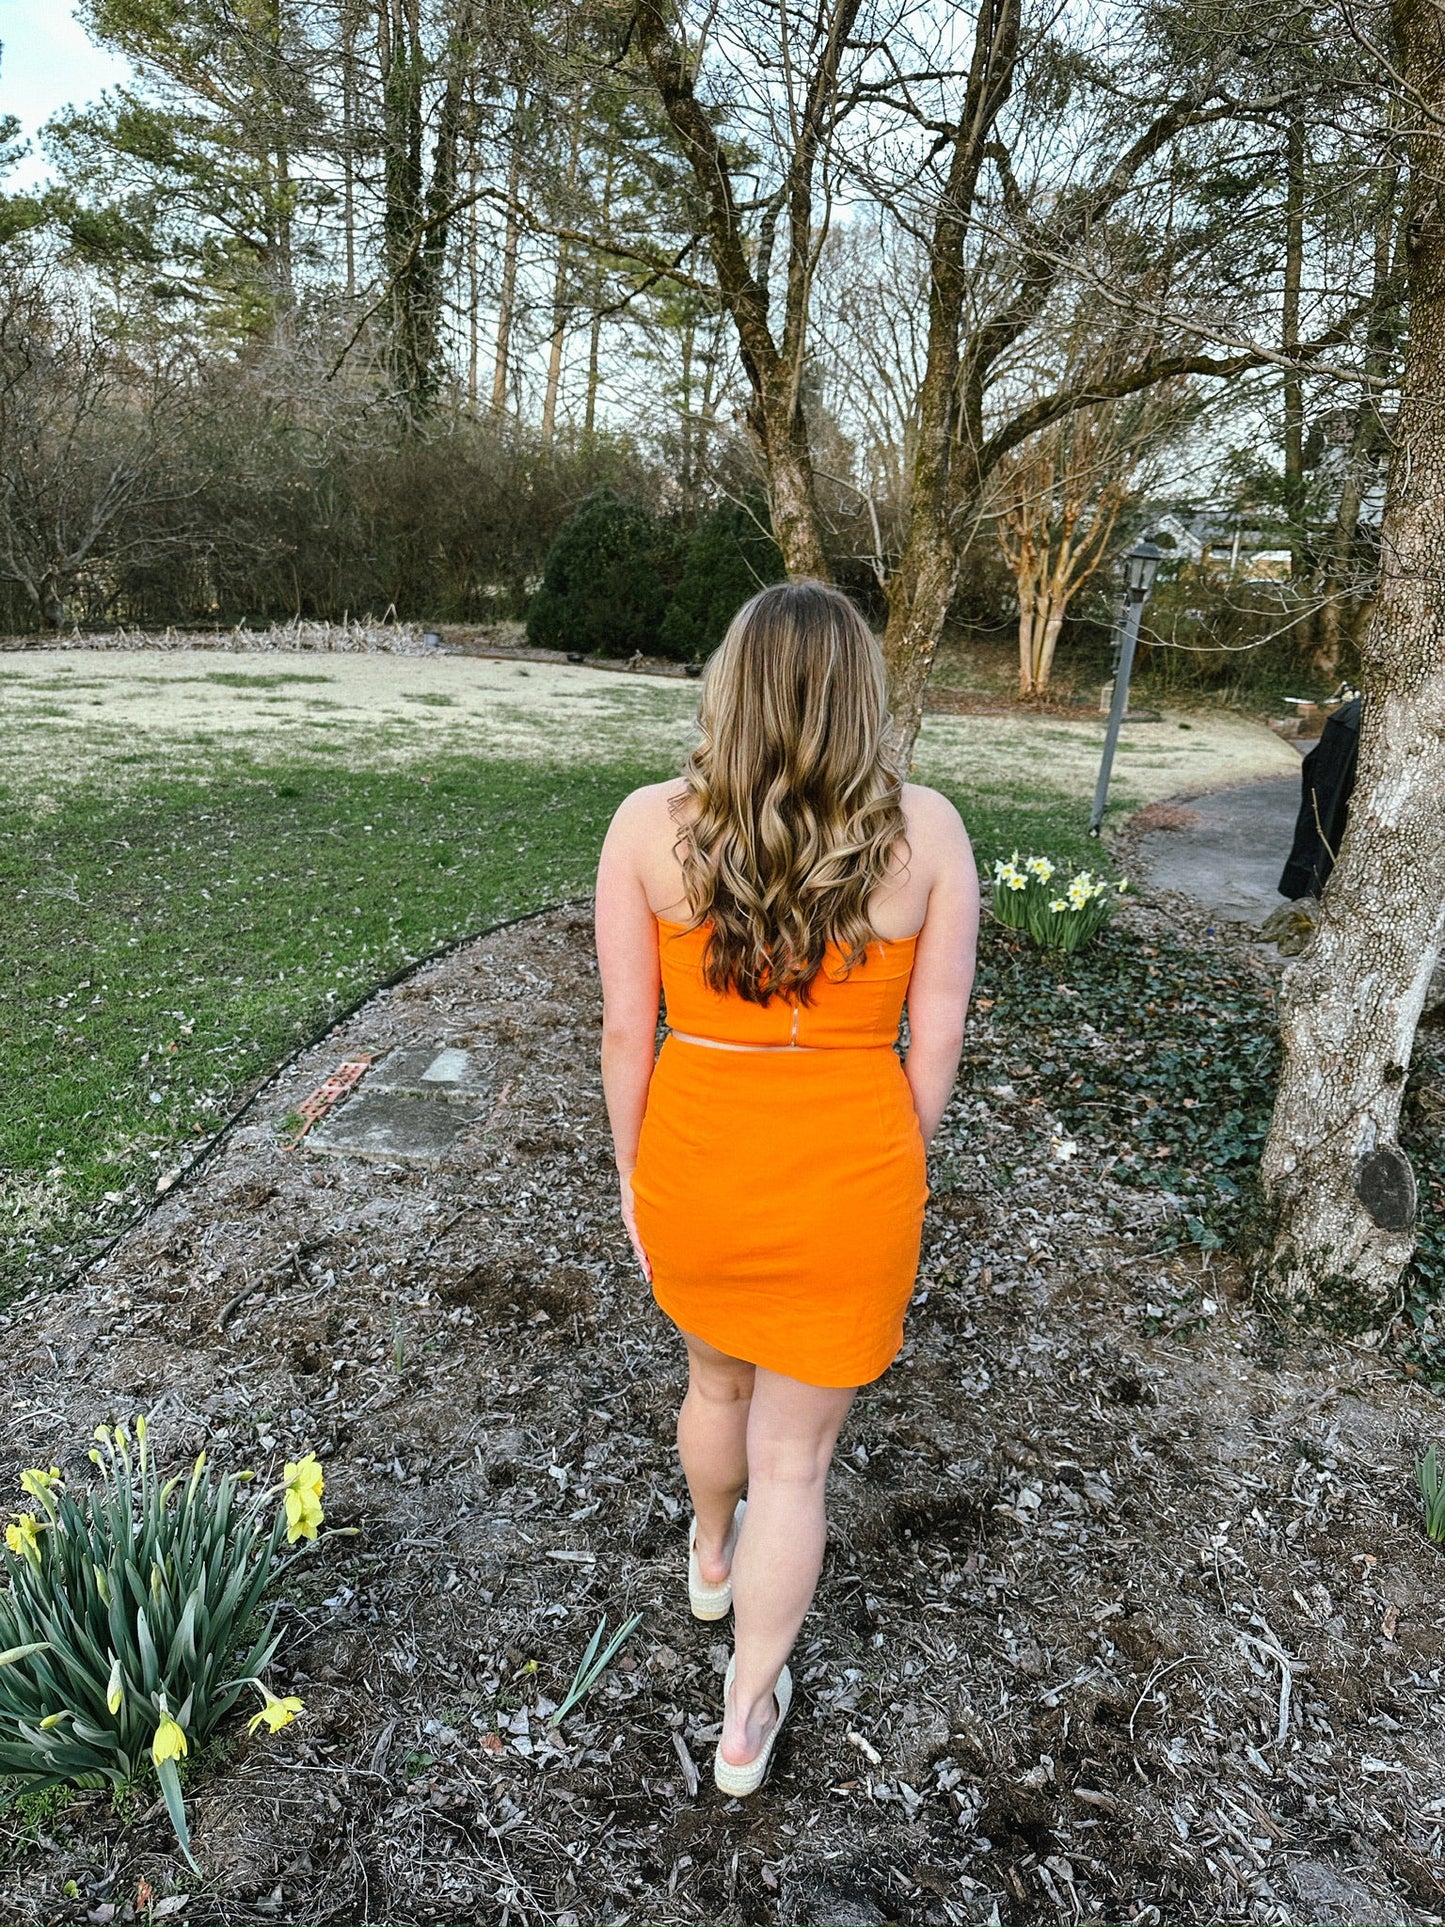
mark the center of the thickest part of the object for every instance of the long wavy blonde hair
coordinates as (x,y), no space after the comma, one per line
(793,804)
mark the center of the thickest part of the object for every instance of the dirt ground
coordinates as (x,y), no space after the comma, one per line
(1113,1626)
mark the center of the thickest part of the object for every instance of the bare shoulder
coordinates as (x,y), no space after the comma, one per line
(646,811)
(931,816)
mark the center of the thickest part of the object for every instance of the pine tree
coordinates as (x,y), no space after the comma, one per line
(606,581)
(731,556)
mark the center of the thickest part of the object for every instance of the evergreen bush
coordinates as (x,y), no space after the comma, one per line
(606,580)
(731,556)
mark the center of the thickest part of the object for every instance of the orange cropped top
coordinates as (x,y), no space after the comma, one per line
(857,1011)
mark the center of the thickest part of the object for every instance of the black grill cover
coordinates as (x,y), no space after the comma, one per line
(1328,778)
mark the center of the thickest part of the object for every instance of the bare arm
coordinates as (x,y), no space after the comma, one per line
(943,965)
(631,987)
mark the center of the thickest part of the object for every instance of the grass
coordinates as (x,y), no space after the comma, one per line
(185,905)
(170,940)
(166,945)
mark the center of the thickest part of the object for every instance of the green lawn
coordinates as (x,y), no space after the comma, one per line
(168,943)
(169,940)
(194,880)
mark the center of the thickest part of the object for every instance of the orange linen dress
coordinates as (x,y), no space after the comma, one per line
(780,1192)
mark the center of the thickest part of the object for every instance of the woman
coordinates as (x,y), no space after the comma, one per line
(787,893)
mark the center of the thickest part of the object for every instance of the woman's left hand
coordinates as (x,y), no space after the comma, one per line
(629,1219)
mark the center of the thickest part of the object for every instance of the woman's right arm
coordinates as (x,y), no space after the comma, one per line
(943,961)
(631,987)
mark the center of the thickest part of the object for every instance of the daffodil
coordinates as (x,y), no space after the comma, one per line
(23,1538)
(277,1712)
(53,1719)
(305,1483)
(35,1483)
(1057,904)
(169,1742)
(1013,879)
(1040,867)
(115,1688)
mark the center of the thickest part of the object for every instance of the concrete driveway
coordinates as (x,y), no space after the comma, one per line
(1230,849)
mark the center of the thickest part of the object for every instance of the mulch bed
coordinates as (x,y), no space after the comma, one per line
(1122,1618)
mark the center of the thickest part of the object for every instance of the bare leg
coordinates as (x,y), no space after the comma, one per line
(792,1429)
(712,1431)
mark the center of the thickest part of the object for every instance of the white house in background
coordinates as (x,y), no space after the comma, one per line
(1189,538)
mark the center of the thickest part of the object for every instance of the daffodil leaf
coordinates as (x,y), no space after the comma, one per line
(176,1807)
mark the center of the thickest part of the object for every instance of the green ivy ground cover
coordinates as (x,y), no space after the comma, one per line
(1162,1058)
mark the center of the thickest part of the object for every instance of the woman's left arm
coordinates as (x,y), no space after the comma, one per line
(943,962)
(631,988)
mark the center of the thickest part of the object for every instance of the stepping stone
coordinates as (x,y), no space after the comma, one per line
(410,1108)
(430,1070)
(391,1127)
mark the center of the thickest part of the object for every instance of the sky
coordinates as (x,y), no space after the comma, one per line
(47,62)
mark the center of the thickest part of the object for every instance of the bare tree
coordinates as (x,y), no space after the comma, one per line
(88,440)
(813,54)
(1058,498)
(1026,182)
(1341,1190)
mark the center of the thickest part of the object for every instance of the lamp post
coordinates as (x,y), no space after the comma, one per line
(1139,567)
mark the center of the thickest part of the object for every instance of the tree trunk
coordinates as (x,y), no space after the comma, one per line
(686,478)
(348,141)
(919,593)
(945,485)
(1339,589)
(416,224)
(599,288)
(1341,1191)
(507,300)
(554,352)
(1294,391)
(1053,622)
(791,499)
(775,412)
(1027,610)
(50,601)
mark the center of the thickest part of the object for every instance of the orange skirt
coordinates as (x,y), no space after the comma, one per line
(780,1199)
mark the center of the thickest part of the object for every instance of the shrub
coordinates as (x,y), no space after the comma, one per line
(732,554)
(605,582)
(129,1617)
(1032,896)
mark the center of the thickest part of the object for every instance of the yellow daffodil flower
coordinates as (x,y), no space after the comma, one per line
(1040,867)
(52,1719)
(305,1483)
(1057,905)
(169,1742)
(35,1483)
(23,1538)
(276,1713)
(115,1691)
